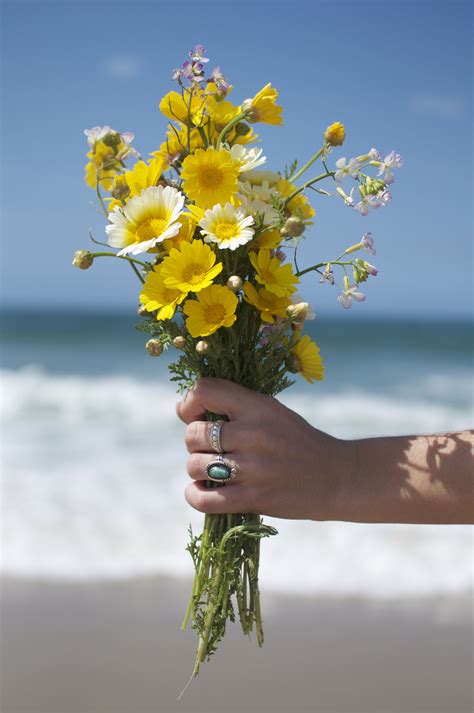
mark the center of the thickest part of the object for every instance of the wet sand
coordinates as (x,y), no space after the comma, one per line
(117,648)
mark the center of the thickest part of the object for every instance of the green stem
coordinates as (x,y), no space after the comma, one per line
(120,257)
(306,166)
(306,185)
(323,264)
(97,184)
(228,127)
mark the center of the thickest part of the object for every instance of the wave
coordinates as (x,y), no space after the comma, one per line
(94,471)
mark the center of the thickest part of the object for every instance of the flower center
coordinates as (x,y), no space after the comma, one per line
(214,314)
(210,177)
(151,228)
(224,231)
(193,273)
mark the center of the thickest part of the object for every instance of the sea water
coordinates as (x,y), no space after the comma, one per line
(94,465)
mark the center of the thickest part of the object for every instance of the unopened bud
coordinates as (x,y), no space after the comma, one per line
(234,283)
(202,347)
(298,312)
(83,259)
(179,342)
(353,248)
(248,108)
(294,227)
(373,186)
(154,347)
(335,134)
(120,189)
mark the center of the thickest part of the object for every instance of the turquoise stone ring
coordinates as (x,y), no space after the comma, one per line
(219,470)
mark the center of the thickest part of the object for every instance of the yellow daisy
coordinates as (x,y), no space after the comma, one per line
(186,233)
(214,308)
(102,165)
(306,360)
(263,107)
(227,226)
(186,109)
(274,276)
(143,175)
(145,220)
(299,205)
(221,112)
(157,296)
(267,303)
(176,143)
(190,268)
(210,177)
(268,239)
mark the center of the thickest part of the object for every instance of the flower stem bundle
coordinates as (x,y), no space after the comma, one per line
(213,240)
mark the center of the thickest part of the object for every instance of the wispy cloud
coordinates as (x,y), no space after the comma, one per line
(438,105)
(121,66)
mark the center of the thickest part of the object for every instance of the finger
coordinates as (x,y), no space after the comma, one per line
(198,462)
(197,437)
(233,498)
(218,396)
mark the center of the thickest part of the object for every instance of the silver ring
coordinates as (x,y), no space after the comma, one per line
(215,428)
(220,471)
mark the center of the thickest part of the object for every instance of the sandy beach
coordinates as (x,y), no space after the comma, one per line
(117,647)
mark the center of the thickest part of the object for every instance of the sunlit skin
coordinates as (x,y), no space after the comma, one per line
(289,469)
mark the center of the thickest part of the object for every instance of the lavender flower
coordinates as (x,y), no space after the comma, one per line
(351,292)
(197,54)
(391,161)
(346,168)
(368,244)
(222,85)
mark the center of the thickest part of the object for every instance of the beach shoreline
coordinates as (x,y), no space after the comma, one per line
(117,647)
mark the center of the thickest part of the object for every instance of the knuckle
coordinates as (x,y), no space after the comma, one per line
(191,435)
(193,466)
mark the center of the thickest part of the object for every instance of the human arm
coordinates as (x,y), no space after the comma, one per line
(287,468)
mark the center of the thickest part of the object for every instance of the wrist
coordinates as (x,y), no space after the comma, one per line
(340,475)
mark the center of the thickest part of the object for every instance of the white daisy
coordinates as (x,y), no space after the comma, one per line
(257,177)
(227,226)
(247,159)
(146,220)
(255,205)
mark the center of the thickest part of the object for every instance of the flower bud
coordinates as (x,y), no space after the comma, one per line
(179,342)
(83,259)
(120,189)
(373,186)
(294,227)
(234,283)
(335,134)
(154,347)
(202,347)
(298,312)
(248,108)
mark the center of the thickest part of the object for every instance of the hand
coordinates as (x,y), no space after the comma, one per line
(285,467)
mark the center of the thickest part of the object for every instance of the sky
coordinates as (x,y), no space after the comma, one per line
(398,74)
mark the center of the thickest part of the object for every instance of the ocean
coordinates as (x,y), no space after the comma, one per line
(94,466)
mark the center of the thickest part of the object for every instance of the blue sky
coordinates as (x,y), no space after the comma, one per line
(397,74)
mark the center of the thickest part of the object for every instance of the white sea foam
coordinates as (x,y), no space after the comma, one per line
(94,472)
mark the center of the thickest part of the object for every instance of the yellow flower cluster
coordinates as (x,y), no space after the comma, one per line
(212,222)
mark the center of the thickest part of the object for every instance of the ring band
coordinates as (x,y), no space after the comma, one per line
(220,471)
(215,428)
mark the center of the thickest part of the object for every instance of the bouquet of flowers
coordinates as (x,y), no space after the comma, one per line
(213,232)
